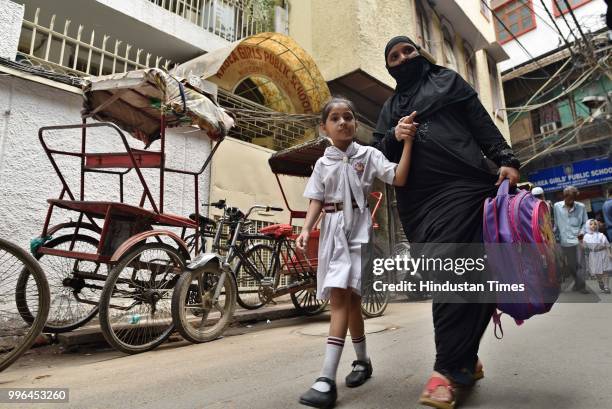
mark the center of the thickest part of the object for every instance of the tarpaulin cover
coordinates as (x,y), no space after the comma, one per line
(135,101)
(300,159)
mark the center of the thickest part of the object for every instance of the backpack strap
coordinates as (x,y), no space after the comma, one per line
(497,321)
(504,188)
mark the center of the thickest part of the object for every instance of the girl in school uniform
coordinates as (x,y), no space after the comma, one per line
(598,255)
(340,183)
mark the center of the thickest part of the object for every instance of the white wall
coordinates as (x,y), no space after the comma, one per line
(241,174)
(11,16)
(27,179)
(545,38)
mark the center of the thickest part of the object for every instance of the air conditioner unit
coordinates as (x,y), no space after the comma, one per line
(548,128)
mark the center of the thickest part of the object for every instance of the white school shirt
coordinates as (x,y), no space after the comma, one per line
(339,255)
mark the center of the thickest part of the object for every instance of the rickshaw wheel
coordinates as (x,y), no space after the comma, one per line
(305,301)
(261,257)
(374,303)
(66,312)
(135,303)
(17,334)
(196,318)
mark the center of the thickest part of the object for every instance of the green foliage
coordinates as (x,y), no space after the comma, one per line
(262,12)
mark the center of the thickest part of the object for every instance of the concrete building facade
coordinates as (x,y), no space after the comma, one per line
(344,38)
(347,39)
(558,88)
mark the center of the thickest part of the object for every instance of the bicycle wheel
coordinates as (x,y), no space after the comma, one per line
(16,334)
(194,314)
(306,302)
(136,300)
(257,264)
(74,300)
(374,303)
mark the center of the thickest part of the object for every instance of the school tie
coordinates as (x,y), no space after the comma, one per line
(349,182)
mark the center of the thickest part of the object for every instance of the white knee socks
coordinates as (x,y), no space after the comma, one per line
(359,344)
(333,351)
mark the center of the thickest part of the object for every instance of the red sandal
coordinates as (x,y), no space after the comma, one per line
(478,371)
(434,383)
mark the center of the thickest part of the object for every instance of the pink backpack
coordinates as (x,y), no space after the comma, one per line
(520,248)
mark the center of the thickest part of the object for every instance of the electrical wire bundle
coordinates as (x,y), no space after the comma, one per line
(26,65)
(589,57)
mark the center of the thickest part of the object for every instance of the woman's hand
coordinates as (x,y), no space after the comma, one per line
(506,172)
(302,241)
(406,128)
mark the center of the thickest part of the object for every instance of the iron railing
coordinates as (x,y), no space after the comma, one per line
(231,20)
(77,50)
(575,134)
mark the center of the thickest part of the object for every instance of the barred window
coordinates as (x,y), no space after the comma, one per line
(560,7)
(518,17)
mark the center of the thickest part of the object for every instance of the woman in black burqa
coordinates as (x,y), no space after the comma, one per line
(442,201)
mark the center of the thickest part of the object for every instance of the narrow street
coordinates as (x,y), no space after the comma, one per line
(559,360)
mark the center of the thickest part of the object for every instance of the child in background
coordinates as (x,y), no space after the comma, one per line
(340,183)
(598,255)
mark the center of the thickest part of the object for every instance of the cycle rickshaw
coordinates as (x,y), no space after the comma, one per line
(301,269)
(124,259)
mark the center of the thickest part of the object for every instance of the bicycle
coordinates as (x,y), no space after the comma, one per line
(248,287)
(209,283)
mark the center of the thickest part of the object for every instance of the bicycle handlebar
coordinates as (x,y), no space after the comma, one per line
(263,207)
(219,205)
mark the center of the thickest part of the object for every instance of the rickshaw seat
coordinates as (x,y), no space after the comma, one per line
(98,209)
(277,230)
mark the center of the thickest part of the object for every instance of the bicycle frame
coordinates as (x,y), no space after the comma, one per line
(234,249)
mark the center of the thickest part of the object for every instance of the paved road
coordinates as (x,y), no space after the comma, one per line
(561,360)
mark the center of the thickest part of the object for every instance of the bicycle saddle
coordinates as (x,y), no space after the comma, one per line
(277,230)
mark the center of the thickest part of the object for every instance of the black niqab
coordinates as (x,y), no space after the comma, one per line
(421,86)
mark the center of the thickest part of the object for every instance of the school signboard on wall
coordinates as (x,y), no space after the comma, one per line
(583,173)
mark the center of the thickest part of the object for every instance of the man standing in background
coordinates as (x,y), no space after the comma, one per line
(570,220)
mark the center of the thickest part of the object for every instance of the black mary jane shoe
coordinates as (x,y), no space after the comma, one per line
(323,400)
(358,377)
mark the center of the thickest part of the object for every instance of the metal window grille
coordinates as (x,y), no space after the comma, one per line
(517,16)
(228,19)
(78,51)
